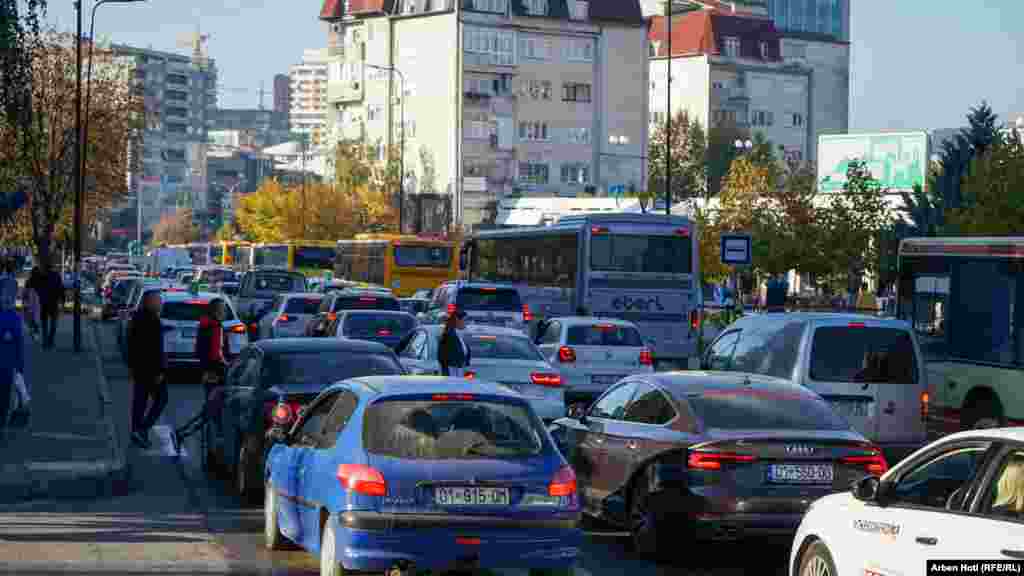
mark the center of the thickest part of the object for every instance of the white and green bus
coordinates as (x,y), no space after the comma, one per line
(965,298)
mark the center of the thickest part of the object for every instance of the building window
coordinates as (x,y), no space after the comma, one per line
(175,78)
(177,128)
(536,7)
(578,10)
(723,117)
(797,120)
(180,112)
(579,49)
(492,46)
(764,50)
(537,131)
(575,92)
(731,46)
(794,50)
(762,118)
(410,129)
(578,135)
(479,130)
(496,6)
(533,172)
(534,48)
(575,173)
(539,89)
(375,112)
(177,96)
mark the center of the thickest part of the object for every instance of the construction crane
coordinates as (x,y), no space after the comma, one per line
(260,92)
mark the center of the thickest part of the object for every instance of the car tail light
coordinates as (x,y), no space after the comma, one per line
(646,358)
(285,318)
(682,232)
(598,230)
(332,316)
(563,483)
(362,479)
(527,315)
(467,541)
(469,375)
(237,329)
(451,309)
(383,332)
(197,302)
(873,464)
(715,460)
(451,397)
(925,399)
(855,325)
(367,299)
(544,379)
(566,355)
(694,319)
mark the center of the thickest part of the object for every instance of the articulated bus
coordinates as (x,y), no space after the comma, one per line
(312,258)
(402,263)
(638,267)
(965,299)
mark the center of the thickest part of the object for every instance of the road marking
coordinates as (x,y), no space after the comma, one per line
(63,436)
(100,466)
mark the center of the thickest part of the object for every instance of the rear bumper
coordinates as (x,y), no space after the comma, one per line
(727,527)
(375,542)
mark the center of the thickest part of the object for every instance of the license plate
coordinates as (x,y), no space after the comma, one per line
(188,333)
(605,379)
(801,473)
(851,409)
(471,496)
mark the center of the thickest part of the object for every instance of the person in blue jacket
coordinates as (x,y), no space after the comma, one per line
(12,358)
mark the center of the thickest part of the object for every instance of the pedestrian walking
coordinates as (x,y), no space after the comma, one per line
(452,352)
(30,302)
(14,399)
(50,288)
(9,285)
(148,364)
(211,344)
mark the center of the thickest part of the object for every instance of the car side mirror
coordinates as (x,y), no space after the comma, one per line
(867,489)
(577,411)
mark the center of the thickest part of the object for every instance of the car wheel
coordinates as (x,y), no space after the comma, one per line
(643,520)
(247,478)
(329,564)
(817,561)
(272,537)
(983,413)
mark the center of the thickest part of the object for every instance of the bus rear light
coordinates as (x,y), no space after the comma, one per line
(646,358)
(566,355)
(527,315)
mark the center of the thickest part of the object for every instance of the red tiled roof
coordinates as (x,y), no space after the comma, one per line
(691,34)
(338,9)
(703,31)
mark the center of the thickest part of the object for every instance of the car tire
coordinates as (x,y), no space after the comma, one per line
(643,520)
(330,565)
(982,413)
(816,560)
(272,537)
(247,471)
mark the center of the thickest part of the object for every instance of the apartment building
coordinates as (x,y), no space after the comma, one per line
(282,93)
(307,114)
(180,96)
(500,99)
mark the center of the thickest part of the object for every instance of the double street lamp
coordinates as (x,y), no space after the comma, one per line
(401,149)
(81,131)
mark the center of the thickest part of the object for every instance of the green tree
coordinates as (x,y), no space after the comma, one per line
(688,144)
(993,192)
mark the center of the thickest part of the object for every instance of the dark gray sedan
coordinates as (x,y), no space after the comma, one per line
(709,455)
(280,375)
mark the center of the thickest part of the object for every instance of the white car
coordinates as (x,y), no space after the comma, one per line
(289,314)
(180,317)
(593,353)
(503,355)
(958,498)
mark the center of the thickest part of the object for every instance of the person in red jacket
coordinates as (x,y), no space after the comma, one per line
(211,347)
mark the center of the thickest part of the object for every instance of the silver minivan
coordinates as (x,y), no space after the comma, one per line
(869,369)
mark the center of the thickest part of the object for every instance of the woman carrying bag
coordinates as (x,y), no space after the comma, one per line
(14,397)
(452,352)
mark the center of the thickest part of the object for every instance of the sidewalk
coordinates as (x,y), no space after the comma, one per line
(70,448)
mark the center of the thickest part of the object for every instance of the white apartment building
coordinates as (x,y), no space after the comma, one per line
(501,99)
(307,114)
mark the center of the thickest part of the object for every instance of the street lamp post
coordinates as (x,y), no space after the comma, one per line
(668,112)
(401,149)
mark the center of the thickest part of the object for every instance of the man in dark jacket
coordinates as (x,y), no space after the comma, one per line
(148,363)
(50,288)
(452,351)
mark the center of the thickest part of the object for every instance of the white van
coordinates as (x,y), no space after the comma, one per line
(869,368)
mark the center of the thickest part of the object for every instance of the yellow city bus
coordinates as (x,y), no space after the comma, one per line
(402,263)
(311,257)
(229,253)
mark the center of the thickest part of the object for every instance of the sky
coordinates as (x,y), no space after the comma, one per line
(915,64)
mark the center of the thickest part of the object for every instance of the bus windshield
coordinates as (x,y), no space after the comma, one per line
(271,255)
(317,257)
(641,253)
(426,256)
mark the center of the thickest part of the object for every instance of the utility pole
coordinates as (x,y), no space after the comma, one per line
(668,113)
(78,176)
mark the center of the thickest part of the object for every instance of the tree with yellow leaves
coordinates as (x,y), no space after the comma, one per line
(175,228)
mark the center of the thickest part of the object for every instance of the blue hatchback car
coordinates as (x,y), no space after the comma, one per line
(413,473)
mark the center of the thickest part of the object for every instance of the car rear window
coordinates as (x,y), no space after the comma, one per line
(603,335)
(189,311)
(327,366)
(502,347)
(761,410)
(864,355)
(231,289)
(302,306)
(366,303)
(366,325)
(446,430)
(275,283)
(496,299)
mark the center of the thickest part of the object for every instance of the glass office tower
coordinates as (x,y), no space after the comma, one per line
(830,17)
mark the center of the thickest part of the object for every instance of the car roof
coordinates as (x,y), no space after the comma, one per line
(479,330)
(181,296)
(374,312)
(347,292)
(302,295)
(286,345)
(460,284)
(824,318)
(695,382)
(389,385)
(589,320)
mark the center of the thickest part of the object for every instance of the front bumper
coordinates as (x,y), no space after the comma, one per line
(371,541)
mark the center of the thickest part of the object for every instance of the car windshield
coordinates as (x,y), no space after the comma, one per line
(189,310)
(502,347)
(327,366)
(367,302)
(603,335)
(764,410)
(446,430)
(369,325)
(863,354)
(489,299)
(302,306)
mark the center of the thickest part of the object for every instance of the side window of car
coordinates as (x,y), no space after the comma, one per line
(553,333)
(1003,498)
(649,406)
(720,354)
(935,482)
(415,347)
(612,405)
(341,412)
(311,427)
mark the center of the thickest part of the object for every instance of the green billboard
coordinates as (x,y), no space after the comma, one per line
(897,160)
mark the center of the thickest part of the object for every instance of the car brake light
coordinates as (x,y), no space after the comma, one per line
(237,329)
(604,327)
(646,359)
(544,379)
(566,355)
(451,308)
(451,397)
(682,232)
(488,289)
(367,299)
(284,318)
(714,460)
(694,320)
(924,405)
(598,230)
(197,302)
(469,374)
(856,325)
(527,315)
(467,541)
(383,332)
(332,316)
(563,483)
(873,464)
(362,479)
